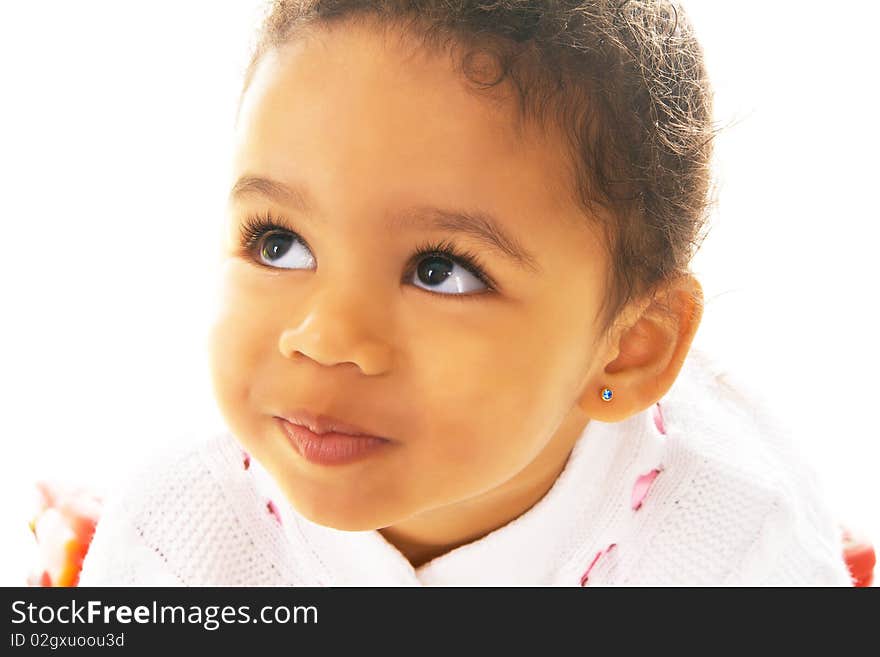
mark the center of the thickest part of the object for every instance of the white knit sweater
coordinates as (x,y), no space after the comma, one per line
(720,498)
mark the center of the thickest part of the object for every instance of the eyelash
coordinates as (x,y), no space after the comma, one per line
(256,226)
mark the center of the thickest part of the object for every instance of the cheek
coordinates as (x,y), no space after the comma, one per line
(228,368)
(237,343)
(493,392)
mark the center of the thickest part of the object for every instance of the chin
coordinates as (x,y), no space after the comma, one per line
(351,516)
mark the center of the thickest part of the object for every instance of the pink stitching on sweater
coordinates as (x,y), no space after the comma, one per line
(246,459)
(658,419)
(270,505)
(586,574)
(640,490)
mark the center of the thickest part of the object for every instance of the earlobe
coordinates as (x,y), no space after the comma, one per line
(646,353)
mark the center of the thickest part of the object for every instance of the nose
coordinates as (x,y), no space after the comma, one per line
(338,329)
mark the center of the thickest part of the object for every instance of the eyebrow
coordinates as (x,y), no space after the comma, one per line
(480,225)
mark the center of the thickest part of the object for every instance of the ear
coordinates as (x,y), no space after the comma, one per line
(644,353)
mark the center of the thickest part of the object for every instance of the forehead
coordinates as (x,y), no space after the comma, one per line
(349,107)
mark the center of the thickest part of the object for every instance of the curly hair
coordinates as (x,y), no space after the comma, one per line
(623,82)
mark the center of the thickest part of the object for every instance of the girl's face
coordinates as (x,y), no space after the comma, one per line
(428,279)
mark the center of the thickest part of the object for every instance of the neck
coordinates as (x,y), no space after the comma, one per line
(433,533)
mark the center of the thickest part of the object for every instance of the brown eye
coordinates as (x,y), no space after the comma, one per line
(434,270)
(285,251)
(443,275)
(275,245)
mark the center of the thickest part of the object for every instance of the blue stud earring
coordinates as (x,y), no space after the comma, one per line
(607,394)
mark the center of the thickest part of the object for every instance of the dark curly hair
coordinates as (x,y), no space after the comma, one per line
(622,81)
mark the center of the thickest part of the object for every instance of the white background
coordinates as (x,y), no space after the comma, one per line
(115,127)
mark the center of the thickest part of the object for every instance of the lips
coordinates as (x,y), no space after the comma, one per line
(323,424)
(331,447)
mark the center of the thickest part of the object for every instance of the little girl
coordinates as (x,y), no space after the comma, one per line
(454,343)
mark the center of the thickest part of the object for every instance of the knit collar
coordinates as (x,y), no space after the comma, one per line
(568,524)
